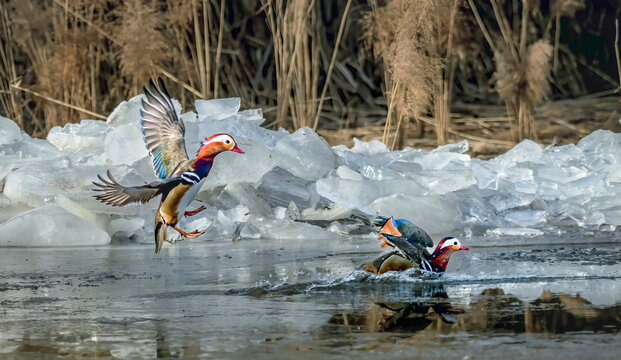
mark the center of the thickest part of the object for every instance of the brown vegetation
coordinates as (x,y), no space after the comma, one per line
(402,71)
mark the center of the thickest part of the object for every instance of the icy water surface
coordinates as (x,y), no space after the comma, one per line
(293,299)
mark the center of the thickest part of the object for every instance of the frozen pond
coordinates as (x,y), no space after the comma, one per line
(293,298)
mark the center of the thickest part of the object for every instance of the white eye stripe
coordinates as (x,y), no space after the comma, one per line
(450,242)
(219,138)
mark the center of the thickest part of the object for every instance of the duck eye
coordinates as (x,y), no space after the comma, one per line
(455,243)
(227,141)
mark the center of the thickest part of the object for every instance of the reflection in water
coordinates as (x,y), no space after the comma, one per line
(492,311)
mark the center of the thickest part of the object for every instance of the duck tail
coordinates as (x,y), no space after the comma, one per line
(160,233)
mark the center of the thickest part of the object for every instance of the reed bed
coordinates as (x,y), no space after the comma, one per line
(345,68)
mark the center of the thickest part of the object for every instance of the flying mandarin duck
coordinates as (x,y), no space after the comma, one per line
(181,177)
(409,243)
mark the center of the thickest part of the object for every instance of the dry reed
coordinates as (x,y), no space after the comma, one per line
(62,60)
(416,42)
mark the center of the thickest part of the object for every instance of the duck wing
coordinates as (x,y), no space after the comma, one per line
(406,229)
(413,233)
(163,130)
(416,253)
(115,194)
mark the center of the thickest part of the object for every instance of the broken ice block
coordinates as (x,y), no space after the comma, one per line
(459,148)
(127,112)
(125,226)
(526,218)
(217,109)
(124,144)
(50,225)
(231,218)
(9,131)
(334,212)
(346,173)
(368,148)
(243,194)
(76,137)
(305,154)
(230,167)
(432,213)
(279,187)
(526,151)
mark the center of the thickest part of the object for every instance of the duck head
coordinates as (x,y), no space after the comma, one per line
(441,255)
(216,144)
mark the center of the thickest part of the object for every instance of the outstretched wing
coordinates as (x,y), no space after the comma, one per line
(115,194)
(162,129)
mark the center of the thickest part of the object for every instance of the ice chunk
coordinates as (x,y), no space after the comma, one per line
(76,137)
(51,225)
(251,116)
(125,226)
(599,142)
(346,173)
(231,167)
(9,131)
(30,151)
(42,184)
(459,148)
(360,194)
(562,174)
(243,194)
(445,181)
(189,117)
(305,154)
(10,208)
(505,201)
(441,160)
(432,213)
(486,177)
(526,151)
(334,212)
(127,112)
(370,148)
(232,218)
(279,187)
(124,144)
(217,109)
(526,218)
(99,220)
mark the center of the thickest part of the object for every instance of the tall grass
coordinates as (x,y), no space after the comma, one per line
(416,42)
(302,61)
(523,71)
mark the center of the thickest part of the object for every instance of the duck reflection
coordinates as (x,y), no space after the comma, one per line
(493,310)
(402,316)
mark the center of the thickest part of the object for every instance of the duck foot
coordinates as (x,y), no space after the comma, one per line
(189,235)
(194,212)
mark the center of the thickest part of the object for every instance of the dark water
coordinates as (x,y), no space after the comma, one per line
(293,299)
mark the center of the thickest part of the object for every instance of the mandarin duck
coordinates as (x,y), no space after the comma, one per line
(409,244)
(181,177)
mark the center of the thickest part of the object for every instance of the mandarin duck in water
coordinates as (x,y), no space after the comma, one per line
(409,243)
(181,177)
